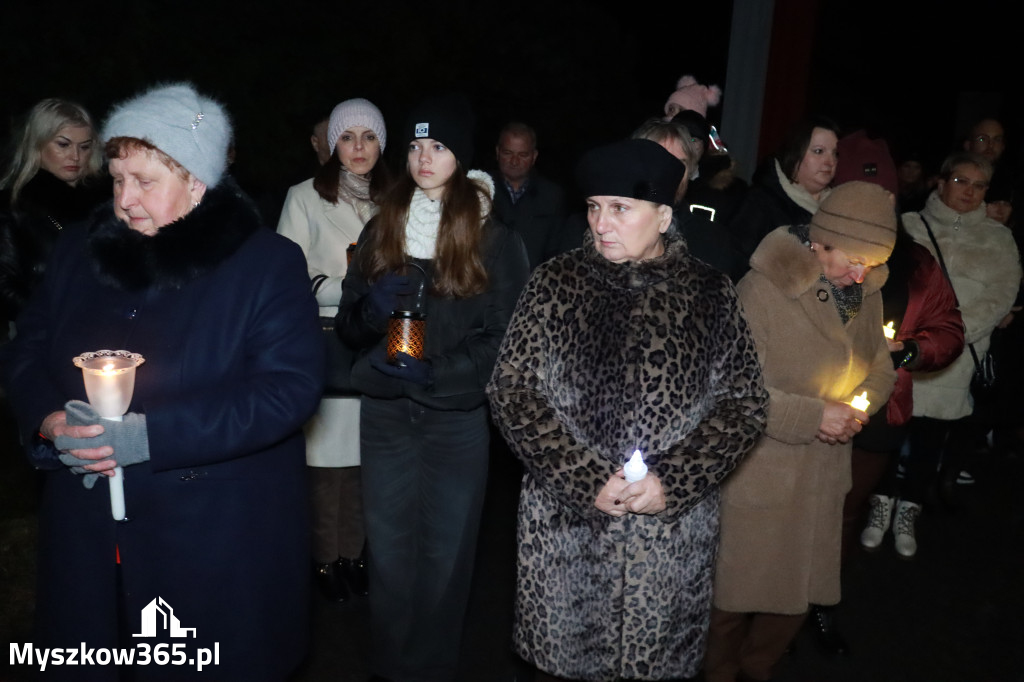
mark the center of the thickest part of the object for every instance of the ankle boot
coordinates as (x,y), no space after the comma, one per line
(826,635)
(878,521)
(903,527)
(331,582)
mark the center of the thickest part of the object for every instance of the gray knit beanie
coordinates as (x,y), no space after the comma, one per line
(192,129)
(857,217)
(355,112)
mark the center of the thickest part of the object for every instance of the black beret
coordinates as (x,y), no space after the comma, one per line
(638,169)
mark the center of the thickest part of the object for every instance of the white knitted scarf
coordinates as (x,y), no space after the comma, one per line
(424,218)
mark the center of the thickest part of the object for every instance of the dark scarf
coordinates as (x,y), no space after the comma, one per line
(181,251)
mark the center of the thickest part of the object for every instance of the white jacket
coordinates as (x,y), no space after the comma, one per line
(324,231)
(985,270)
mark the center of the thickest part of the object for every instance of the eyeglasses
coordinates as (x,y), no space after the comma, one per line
(979,185)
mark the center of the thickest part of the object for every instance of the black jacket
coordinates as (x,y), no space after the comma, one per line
(462,335)
(538,216)
(46,206)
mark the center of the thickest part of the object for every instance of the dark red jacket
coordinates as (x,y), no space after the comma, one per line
(933,321)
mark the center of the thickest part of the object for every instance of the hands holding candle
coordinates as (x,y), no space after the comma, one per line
(620,496)
(841,421)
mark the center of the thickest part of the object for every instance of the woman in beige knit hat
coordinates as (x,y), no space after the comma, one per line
(813,304)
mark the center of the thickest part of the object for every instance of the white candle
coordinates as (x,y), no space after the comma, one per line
(109,378)
(889,332)
(635,469)
(860,402)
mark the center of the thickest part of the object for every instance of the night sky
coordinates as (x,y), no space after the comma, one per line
(580,72)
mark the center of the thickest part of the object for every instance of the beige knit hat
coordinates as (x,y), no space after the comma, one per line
(858,218)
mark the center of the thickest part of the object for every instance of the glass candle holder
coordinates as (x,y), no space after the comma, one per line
(109,377)
(406,332)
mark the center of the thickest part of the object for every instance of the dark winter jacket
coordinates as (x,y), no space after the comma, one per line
(221,310)
(46,205)
(771,202)
(538,216)
(462,335)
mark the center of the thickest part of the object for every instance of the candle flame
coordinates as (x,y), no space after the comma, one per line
(889,331)
(860,402)
(109,367)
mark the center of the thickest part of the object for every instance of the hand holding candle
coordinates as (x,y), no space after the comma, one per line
(635,469)
(109,383)
(860,402)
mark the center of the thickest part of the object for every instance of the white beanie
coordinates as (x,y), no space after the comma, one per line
(192,129)
(352,113)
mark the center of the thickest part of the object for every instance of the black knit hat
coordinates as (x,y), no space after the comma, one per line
(447,119)
(638,169)
(695,123)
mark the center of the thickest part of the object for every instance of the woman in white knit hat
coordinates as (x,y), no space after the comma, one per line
(325,215)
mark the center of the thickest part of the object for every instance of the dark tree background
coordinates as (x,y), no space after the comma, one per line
(581,72)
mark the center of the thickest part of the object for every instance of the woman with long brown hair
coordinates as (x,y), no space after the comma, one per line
(424,423)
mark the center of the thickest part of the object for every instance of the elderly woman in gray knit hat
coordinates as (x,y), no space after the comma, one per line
(813,304)
(178,269)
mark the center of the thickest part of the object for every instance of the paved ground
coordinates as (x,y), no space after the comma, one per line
(953,614)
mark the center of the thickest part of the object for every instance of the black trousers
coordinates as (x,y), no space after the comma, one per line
(424,478)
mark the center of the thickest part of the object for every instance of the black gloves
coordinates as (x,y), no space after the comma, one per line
(415,371)
(382,298)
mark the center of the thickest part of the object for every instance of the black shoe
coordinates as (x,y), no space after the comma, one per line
(822,619)
(353,572)
(331,582)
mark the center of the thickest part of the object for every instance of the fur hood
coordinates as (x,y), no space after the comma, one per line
(791,266)
(181,251)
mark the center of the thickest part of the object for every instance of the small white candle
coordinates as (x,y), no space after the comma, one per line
(889,332)
(860,402)
(635,469)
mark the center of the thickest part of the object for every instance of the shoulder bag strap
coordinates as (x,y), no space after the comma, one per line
(942,264)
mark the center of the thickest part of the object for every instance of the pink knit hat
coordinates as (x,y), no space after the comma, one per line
(692,95)
(355,112)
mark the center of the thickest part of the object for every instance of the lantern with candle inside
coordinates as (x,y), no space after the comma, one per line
(889,331)
(408,325)
(109,377)
(861,402)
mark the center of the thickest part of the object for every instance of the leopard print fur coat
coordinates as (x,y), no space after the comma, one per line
(601,358)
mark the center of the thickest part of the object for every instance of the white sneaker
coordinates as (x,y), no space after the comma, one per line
(878,521)
(903,527)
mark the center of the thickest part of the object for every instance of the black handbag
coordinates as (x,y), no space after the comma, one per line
(983,380)
(339,359)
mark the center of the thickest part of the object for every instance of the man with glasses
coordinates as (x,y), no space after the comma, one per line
(986,139)
(981,260)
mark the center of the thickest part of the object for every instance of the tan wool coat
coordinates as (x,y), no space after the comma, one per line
(782,508)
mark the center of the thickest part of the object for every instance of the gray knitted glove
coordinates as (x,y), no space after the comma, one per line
(128,438)
(77,466)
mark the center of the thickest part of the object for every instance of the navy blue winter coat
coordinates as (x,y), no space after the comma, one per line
(221,309)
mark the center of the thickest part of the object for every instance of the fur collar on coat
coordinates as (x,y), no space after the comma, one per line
(637,275)
(181,251)
(791,266)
